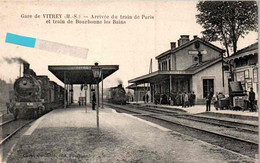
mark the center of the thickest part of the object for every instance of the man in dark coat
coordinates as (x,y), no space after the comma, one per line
(93,101)
(193,98)
(208,99)
(164,99)
(251,99)
(147,98)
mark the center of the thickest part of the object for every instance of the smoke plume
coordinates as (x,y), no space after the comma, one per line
(15,60)
(119,81)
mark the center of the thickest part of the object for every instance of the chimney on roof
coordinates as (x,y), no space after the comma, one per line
(173,45)
(183,39)
(195,36)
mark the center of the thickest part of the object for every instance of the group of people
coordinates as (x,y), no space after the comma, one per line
(183,99)
(220,95)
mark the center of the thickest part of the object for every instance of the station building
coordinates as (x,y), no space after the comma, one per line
(192,66)
(245,67)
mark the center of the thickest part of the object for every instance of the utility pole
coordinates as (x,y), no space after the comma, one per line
(151,66)
(102,106)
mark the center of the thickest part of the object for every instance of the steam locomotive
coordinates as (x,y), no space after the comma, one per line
(117,95)
(35,95)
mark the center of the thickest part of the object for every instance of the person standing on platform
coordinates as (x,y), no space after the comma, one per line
(186,99)
(161,97)
(190,101)
(173,98)
(208,99)
(93,101)
(251,99)
(177,99)
(147,98)
(182,99)
(193,97)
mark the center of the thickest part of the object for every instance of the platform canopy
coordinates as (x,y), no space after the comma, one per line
(158,76)
(80,74)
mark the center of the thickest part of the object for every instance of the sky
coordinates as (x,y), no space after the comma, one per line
(130,45)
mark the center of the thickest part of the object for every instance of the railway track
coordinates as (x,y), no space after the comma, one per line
(11,127)
(6,122)
(245,127)
(6,117)
(238,145)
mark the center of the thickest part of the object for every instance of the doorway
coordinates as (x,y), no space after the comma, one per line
(207,85)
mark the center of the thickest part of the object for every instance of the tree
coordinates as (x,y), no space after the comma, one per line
(227,21)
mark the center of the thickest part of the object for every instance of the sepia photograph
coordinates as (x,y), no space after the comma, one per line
(129,81)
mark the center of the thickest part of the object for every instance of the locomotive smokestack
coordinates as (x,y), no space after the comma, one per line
(26,68)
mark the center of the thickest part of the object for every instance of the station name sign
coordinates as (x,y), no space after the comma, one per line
(195,52)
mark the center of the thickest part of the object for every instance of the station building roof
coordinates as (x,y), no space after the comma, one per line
(171,51)
(158,75)
(164,75)
(80,74)
(249,50)
(134,86)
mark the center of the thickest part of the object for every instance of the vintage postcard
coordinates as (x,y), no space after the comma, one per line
(129,81)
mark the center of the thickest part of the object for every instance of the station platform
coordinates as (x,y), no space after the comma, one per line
(70,135)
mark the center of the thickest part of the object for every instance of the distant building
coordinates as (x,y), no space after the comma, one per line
(195,65)
(245,67)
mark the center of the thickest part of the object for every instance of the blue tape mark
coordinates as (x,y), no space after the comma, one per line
(20,40)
